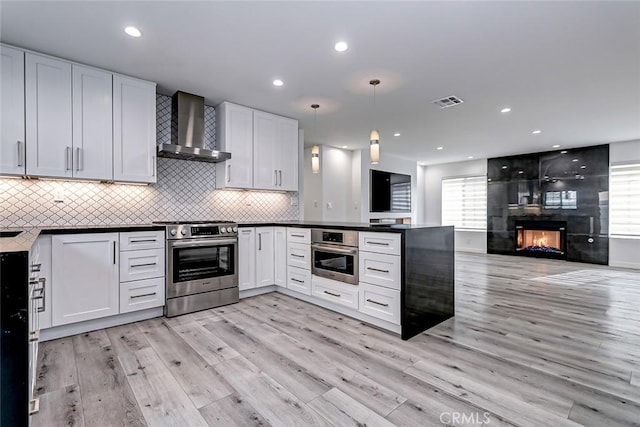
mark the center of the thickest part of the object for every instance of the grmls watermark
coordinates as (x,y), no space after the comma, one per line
(461,418)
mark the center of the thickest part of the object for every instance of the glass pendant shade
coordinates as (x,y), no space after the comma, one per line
(315,159)
(374,147)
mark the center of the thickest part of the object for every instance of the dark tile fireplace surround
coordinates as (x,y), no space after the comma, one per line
(552,204)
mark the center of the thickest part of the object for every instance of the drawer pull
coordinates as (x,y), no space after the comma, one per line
(35,268)
(297,280)
(34,406)
(376,302)
(332,294)
(144,295)
(144,265)
(34,336)
(378,243)
(377,269)
(297,235)
(144,241)
(297,256)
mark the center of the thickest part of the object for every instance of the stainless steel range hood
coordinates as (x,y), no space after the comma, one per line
(187,131)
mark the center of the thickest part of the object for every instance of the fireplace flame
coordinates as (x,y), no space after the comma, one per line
(541,241)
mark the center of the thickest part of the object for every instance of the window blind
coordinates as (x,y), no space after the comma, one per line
(401,196)
(464,202)
(624,200)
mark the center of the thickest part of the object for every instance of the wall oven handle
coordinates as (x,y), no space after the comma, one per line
(331,248)
(200,243)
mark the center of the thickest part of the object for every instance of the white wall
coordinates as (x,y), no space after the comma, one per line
(624,252)
(312,190)
(465,240)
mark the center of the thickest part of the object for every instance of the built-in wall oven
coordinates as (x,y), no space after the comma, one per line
(334,255)
(202,266)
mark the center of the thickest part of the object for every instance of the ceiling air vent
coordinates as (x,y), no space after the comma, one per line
(448,101)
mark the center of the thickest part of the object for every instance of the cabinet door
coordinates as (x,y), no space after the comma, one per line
(48,116)
(12,149)
(246,258)
(287,150)
(265,143)
(234,133)
(264,256)
(92,123)
(134,130)
(85,273)
(280,256)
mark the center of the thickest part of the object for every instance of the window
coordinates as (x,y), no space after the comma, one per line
(561,199)
(464,202)
(624,200)
(401,196)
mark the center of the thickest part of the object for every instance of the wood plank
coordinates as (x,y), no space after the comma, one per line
(341,410)
(197,378)
(161,399)
(107,398)
(232,411)
(56,366)
(212,349)
(635,378)
(127,338)
(277,405)
(62,406)
(91,341)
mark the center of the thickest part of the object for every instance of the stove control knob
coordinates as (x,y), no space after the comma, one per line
(183,232)
(173,232)
(223,229)
(235,229)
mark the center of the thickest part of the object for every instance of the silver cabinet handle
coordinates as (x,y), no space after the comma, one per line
(229,173)
(297,235)
(78,159)
(143,295)
(144,265)
(377,269)
(376,302)
(297,256)
(34,406)
(275,177)
(153,165)
(259,241)
(332,294)
(378,243)
(144,241)
(280,175)
(67,160)
(114,252)
(20,154)
(297,280)
(36,268)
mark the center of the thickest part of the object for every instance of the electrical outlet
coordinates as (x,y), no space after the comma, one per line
(294,200)
(58,195)
(329,205)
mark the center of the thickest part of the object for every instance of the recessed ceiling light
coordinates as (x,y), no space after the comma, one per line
(563,152)
(506,110)
(341,46)
(520,172)
(439,148)
(396,134)
(555,146)
(537,131)
(574,160)
(133,31)
(470,157)
(278,82)
(504,167)
(583,167)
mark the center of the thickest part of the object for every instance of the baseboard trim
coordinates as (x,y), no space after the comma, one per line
(471,250)
(247,293)
(622,264)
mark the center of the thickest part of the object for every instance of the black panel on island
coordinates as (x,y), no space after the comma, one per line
(553,204)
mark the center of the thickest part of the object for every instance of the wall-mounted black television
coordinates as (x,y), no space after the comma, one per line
(389,192)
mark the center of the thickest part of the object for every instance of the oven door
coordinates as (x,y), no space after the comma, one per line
(335,262)
(201,265)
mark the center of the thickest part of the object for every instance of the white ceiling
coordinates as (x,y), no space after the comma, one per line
(571,69)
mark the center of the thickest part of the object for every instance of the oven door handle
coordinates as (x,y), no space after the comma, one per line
(331,248)
(200,243)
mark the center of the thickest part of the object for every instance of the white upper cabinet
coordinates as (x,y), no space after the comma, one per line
(234,134)
(92,123)
(263,147)
(134,130)
(48,116)
(12,148)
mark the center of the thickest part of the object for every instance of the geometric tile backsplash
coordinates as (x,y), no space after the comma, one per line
(185,191)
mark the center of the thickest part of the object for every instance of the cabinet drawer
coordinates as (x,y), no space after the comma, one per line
(133,240)
(379,269)
(299,280)
(141,294)
(380,302)
(138,265)
(384,243)
(299,255)
(299,235)
(336,292)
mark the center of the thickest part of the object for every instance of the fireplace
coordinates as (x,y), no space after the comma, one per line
(546,239)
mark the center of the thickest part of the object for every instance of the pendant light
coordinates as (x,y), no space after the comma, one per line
(374,136)
(315,150)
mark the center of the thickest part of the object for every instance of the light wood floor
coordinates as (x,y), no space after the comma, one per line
(534,342)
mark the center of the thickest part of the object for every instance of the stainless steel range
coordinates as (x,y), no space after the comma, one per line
(202,270)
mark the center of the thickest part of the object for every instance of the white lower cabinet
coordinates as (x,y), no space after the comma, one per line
(299,280)
(141,264)
(380,302)
(335,292)
(141,294)
(85,277)
(246,258)
(299,255)
(264,257)
(380,269)
(280,256)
